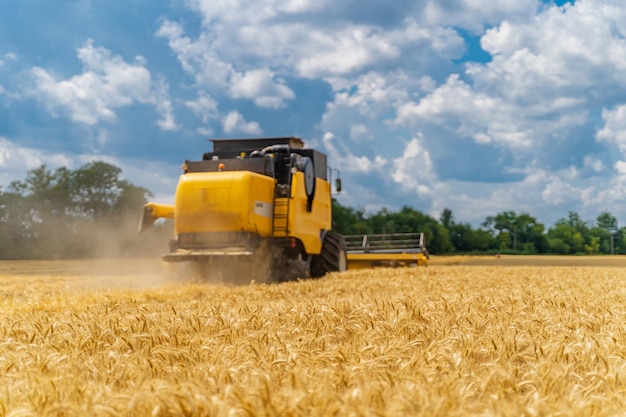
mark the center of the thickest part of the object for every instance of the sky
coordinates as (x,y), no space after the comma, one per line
(479,107)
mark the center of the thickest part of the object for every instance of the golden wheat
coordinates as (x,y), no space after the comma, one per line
(437,341)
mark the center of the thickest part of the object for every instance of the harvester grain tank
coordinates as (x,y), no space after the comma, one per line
(254,209)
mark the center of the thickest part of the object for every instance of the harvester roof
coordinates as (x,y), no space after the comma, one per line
(241,152)
(251,144)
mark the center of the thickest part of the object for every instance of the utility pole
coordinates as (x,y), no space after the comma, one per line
(612,243)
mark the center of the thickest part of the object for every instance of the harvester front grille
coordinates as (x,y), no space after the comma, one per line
(212,240)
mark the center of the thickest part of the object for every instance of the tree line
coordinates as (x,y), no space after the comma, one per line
(506,232)
(83,213)
(93,212)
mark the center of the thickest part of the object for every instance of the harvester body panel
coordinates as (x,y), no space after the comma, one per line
(307,226)
(229,201)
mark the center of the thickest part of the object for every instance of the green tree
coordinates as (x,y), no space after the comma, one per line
(607,221)
(446,218)
(564,238)
(517,231)
(409,220)
(466,239)
(348,221)
(605,231)
(64,213)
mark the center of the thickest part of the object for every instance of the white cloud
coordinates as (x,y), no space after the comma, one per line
(106,84)
(360,132)
(204,107)
(234,122)
(536,94)
(473,202)
(164,106)
(475,114)
(350,50)
(245,36)
(593,164)
(201,59)
(197,57)
(614,130)
(521,123)
(476,14)
(559,54)
(414,169)
(558,192)
(15,160)
(344,158)
(357,111)
(9,56)
(261,87)
(6,67)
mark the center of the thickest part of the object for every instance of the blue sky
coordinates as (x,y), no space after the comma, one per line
(476,106)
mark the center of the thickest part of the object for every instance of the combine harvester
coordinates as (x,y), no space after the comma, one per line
(254,209)
(387,250)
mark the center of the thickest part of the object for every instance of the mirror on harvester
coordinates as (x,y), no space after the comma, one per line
(338,185)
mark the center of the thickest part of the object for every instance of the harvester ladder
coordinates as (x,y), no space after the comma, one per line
(280,211)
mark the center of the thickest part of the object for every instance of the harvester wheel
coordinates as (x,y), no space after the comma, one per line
(333,257)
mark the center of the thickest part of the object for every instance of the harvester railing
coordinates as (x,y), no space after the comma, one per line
(386,243)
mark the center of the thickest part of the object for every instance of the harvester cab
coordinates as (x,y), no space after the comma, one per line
(253,209)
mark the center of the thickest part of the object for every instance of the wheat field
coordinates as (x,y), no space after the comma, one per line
(113,338)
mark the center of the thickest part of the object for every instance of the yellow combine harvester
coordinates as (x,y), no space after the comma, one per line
(254,209)
(389,250)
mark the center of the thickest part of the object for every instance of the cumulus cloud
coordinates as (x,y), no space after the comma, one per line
(262,87)
(9,56)
(106,84)
(559,54)
(204,107)
(264,36)
(614,130)
(350,50)
(532,101)
(476,14)
(414,169)
(234,122)
(15,160)
(202,59)
(349,162)
(535,124)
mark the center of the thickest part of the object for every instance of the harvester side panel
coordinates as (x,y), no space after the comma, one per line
(229,201)
(307,226)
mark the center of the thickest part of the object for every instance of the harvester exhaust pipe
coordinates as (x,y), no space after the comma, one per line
(271,149)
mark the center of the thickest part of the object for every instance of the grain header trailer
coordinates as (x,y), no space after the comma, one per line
(386,250)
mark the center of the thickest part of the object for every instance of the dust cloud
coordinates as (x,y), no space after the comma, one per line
(91,255)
